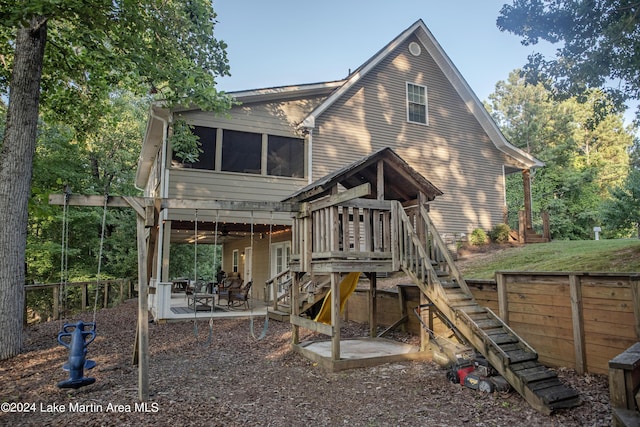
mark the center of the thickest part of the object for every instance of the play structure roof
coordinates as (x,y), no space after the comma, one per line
(401,181)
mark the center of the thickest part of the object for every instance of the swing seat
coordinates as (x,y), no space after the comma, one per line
(79,338)
(88,364)
(76,383)
(240,297)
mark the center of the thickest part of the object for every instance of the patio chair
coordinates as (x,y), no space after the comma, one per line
(228,286)
(240,296)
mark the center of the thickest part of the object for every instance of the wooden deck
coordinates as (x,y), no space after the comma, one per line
(384,238)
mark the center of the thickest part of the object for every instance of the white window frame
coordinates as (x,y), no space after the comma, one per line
(236,261)
(425,104)
(286,252)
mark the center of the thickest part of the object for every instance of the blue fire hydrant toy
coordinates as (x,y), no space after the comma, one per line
(81,335)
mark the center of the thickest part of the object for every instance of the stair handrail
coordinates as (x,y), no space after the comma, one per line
(421,251)
(271,285)
(508,328)
(442,247)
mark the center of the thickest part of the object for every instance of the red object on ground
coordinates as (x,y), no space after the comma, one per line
(463,372)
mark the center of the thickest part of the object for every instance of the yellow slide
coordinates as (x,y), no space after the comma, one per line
(347,286)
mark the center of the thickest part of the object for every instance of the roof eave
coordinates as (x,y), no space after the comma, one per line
(151,143)
(286,92)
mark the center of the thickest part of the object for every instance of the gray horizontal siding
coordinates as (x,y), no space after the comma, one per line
(453,151)
(208,185)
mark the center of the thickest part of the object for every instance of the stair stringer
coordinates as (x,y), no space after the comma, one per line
(507,352)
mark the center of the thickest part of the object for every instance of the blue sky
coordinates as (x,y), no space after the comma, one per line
(283,42)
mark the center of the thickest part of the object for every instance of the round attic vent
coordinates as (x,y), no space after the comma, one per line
(415,49)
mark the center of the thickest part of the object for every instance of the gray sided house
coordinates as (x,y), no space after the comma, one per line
(409,97)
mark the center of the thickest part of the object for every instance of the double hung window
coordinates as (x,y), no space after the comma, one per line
(417,104)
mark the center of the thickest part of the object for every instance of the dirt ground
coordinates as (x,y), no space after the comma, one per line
(235,380)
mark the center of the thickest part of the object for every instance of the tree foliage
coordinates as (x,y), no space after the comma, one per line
(584,157)
(104,163)
(622,211)
(599,43)
(65,60)
(94,47)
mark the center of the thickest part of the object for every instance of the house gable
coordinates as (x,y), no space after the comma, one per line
(420,32)
(458,147)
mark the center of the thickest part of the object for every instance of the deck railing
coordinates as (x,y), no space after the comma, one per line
(277,289)
(379,235)
(348,231)
(63,298)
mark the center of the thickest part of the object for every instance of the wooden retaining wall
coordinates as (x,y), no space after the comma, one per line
(577,320)
(572,319)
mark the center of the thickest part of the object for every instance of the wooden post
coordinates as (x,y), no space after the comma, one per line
(334,223)
(356,229)
(424,336)
(106,294)
(121,296)
(166,246)
(420,225)
(526,182)
(56,302)
(373,305)
(402,300)
(295,307)
(335,316)
(546,228)
(143,313)
(503,301)
(84,296)
(577,319)
(635,293)
(522,227)
(380,180)
(368,238)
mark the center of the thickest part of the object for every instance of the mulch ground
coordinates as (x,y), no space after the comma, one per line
(235,380)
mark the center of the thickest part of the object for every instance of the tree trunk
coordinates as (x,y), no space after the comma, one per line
(16,166)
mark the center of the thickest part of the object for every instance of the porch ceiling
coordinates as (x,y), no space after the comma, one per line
(184,231)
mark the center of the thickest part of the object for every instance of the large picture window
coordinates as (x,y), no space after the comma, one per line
(241,151)
(417,104)
(285,156)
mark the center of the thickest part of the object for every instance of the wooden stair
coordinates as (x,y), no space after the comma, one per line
(316,297)
(435,273)
(533,237)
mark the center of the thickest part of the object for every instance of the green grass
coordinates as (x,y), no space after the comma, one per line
(585,255)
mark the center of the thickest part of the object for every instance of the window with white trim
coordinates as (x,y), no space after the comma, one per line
(236,260)
(417,104)
(280,258)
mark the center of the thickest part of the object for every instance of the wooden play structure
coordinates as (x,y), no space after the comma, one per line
(372,217)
